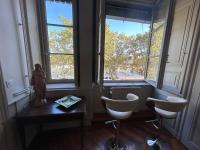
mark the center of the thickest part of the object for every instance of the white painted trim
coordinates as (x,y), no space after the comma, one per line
(17,100)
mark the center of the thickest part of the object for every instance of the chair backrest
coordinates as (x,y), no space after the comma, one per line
(173,104)
(122,105)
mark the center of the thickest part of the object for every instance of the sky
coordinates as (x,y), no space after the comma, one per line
(55,9)
(127,27)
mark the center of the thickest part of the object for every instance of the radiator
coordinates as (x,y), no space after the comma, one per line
(20,92)
(121,92)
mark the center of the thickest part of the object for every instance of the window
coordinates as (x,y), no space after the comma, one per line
(157,40)
(121,42)
(155,51)
(126,44)
(60,40)
(135,41)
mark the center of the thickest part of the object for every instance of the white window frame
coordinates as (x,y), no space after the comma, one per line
(164,48)
(100,46)
(42,19)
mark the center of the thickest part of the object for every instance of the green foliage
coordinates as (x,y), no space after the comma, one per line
(124,53)
(62,66)
(155,50)
(61,43)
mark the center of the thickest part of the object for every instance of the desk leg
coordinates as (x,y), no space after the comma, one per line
(82,131)
(22,135)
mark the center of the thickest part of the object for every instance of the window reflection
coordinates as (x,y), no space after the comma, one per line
(157,38)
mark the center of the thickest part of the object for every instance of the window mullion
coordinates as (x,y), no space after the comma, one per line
(164,52)
(60,53)
(59,25)
(149,46)
(102,42)
(56,62)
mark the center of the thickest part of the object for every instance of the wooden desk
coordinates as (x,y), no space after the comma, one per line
(51,112)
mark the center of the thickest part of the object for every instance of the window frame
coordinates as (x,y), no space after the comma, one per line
(99,42)
(101,55)
(44,41)
(164,47)
(154,82)
(163,53)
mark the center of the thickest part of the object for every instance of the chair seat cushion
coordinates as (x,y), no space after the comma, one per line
(166,114)
(119,115)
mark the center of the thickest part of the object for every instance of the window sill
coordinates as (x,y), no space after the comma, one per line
(125,84)
(152,82)
(60,86)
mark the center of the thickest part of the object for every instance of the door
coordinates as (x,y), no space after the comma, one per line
(191,129)
(179,47)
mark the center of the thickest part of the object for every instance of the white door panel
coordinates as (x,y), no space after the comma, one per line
(179,46)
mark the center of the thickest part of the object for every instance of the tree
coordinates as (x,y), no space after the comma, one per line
(122,53)
(155,50)
(61,44)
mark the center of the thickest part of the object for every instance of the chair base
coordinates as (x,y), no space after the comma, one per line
(157,144)
(112,145)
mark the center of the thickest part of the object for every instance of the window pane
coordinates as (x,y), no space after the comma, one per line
(59,12)
(157,25)
(156,41)
(155,51)
(62,66)
(60,39)
(153,68)
(161,12)
(158,31)
(126,45)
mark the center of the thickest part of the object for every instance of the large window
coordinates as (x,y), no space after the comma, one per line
(60,40)
(159,25)
(135,43)
(126,44)
(155,50)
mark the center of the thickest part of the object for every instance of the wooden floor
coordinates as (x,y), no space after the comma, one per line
(133,133)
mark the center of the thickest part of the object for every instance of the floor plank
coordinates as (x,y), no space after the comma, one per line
(134,133)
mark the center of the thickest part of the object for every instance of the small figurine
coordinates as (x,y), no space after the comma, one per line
(38,81)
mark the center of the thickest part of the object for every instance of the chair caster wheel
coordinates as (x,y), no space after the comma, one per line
(157,144)
(153,143)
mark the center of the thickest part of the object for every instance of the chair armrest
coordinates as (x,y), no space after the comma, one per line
(105,98)
(154,99)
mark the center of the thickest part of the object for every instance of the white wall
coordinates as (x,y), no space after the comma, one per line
(33,31)
(12,51)
(180,75)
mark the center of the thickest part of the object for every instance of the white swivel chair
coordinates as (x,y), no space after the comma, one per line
(168,109)
(119,110)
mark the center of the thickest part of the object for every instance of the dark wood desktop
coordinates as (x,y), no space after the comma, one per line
(51,112)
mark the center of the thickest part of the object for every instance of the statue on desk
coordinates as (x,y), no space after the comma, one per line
(38,81)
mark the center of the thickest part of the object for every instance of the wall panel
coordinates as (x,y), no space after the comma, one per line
(179,46)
